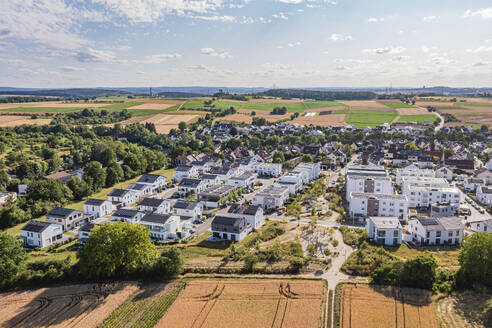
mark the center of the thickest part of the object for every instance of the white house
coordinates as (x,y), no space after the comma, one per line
(488,165)
(272,196)
(253,214)
(41,234)
(223,172)
(228,228)
(155,181)
(191,186)
(215,196)
(127,215)
(413,171)
(245,180)
(68,218)
(140,189)
(425,196)
(436,231)
(384,230)
(481,225)
(444,172)
(293,180)
(484,195)
(210,179)
(185,171)
(85,232)
(123,197)
(161,226)
(312,169)
(97,207)
(184,208)
(408,182)
(471,184)
(267,169)
(367,179)
(154,205)
(367,205)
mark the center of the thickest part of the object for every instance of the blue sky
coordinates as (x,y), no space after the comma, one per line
(286,43)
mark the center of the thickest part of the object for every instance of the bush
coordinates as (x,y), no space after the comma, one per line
(419,272)
(353,236)
(250,261)
(487,314)
(296,264)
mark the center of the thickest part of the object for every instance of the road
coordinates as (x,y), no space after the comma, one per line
(441,124)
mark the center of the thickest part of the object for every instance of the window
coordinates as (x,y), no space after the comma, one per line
(450,234)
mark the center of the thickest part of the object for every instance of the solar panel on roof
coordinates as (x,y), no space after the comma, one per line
(427,222)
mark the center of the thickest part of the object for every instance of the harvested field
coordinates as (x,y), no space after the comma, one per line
(434,103)
(321,120)
(163,123)
(412,111)
(247,303)
(463,310)
(325,109)
(240,118)
(159,101)
(264,114)
(365,105)
(156,106)
(367,306)
(16,120)
(68,306)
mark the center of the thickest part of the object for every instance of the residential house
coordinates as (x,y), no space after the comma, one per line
(410,182)
(41,234)
(184,208)
(461,164)
(161,226)
(471,184)
(484,195)
(154,205)
(444,209)
(484,174)
(185,171)
(369,205)
(155,181)
(224,172)
(272,197)
(68,218)
(191,186)
(481,225)
(436,231)
(228,228)
(412,171)
(140,189)
(252,213)
(267,169)
(210,179)
(245,181)
(214,196)
(426,196)
(384,230)
(367,179)
(293,180)
(85,232)
(97,207)
(442,171)
(121,197)
(127,215)
(65,176)
(312,170)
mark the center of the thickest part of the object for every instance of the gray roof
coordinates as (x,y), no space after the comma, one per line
(125,213)
(185,205)
(61,212)
(380,222)
(243,177)
(156,218)
(273,190)
(149,178)
(95,202)
(36,226)
(118,192)
(378,196)
(218,190)
(187,182)
(183,168)
(486,190)
(243,209)
(137,186)
(228,221)
(87,227)
(451,223)
(152,202)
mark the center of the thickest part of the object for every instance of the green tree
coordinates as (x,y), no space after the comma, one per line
(12,256)
(307,158)
(94,175)
(278,157)
(476,260)
(182,126)
(114,174)
(296,263)
(410,146)
(250,261)
(419,272)
(79,187)
(117,249)
(169,263)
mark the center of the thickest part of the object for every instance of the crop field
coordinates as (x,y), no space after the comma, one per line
(463,309)
(163,122)
(397,104)
(16,120)
(321,120)
(292,107)
(412,111)
(418,118)
(155,106)
(247,303)
(367,118)
(68,306)
(365,105)
(367,306)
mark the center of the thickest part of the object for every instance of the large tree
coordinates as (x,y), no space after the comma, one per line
(11,257)
(476,259)
(419,272)
(117,249)
(94,175)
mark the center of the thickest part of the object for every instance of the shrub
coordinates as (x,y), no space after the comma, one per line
(296,264)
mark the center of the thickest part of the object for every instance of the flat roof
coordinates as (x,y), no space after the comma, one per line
(378,196)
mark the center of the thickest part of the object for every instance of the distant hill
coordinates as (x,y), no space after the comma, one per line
(319,95)
(171,94)
(67,93)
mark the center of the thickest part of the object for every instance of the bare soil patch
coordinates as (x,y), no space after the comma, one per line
(163,123)
(412,111)
(434,103)
(247,303)
(16,120)
(240,118)
(324,109)
(366,105)
(156,106)
(68,306)
(368,306)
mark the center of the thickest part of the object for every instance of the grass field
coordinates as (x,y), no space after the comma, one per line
(292,107)
(397,104)
(252,303)
(369,306)
(464,309)
(447,256)
(418,118)
(367,118)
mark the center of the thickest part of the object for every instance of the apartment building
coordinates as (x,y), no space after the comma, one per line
(371,205)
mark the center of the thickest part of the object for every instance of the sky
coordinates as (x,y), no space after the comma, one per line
(245,43)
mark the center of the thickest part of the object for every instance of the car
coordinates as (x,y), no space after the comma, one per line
(197,222)
(481,210)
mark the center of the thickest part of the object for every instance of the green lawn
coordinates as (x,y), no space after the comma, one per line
(397,105)
(168,173)
(418,118)
(466,114)
(367,118)
(475,105)
(298,107)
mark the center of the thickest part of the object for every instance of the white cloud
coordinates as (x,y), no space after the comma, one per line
(72,69)
(386,50)
(158,58)
(427,49)
(215,53)
(374,20)
(479,49)
(485,13)
(290,45)
(340,37)
(280,15)
(226,19)
(95,56)
(431,18)
(296,2)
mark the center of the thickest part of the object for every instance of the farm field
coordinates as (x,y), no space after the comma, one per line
(67,306)
(397,104)
(321,120)
(413,111)
(418,118)
(367,118)
(463,309)
(365,105)
(247,303)
(16,120)
(368,306)
(447,256)
(163,122)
